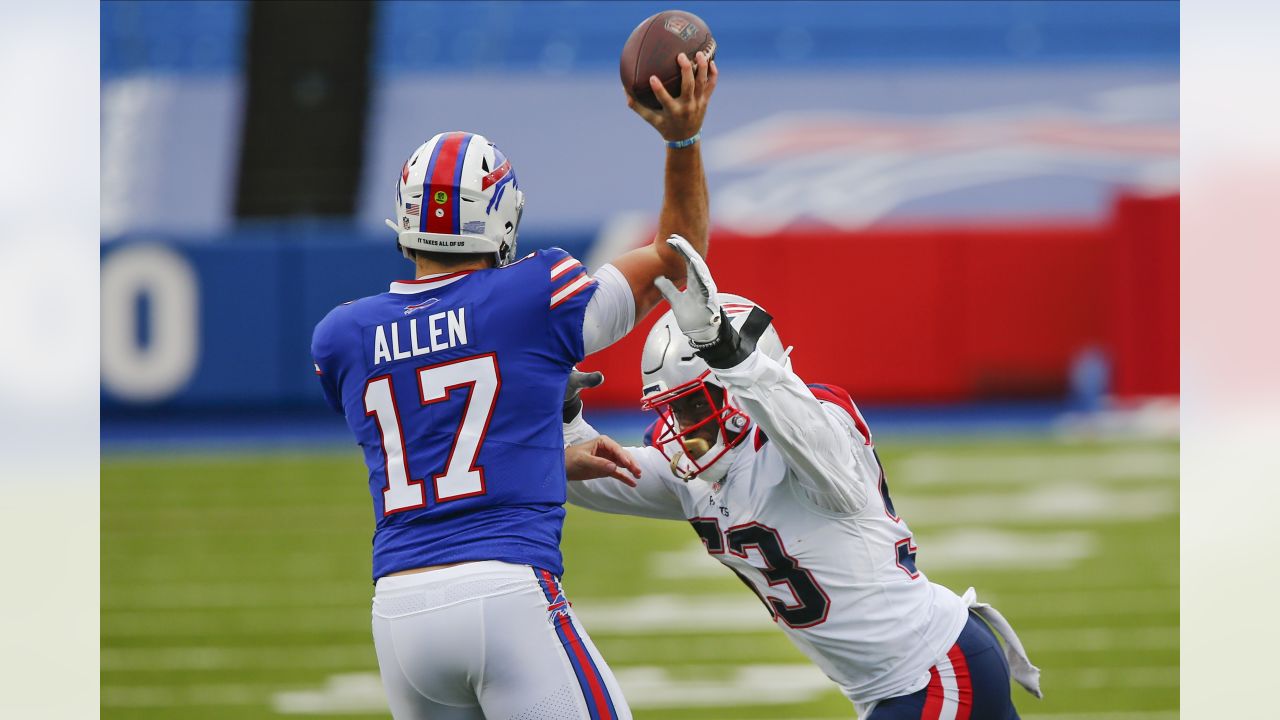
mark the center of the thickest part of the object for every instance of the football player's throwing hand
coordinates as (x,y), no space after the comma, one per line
(681,117)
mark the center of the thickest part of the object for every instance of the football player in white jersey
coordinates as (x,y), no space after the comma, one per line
(782,483)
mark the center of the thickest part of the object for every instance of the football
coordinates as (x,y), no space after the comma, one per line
(652,50)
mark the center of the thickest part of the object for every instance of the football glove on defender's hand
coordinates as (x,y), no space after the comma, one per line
(701,318)
(578,381)
(696,309)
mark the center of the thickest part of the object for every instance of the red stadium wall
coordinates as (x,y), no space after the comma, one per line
(956,313)
(1144,298)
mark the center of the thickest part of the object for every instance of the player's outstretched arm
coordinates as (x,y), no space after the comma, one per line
(645,496)
(685,208)
(818,447)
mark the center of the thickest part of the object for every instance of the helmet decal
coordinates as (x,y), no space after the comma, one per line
(500,185)
(660,339)
(500,172)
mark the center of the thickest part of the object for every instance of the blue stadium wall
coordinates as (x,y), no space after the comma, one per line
(227,324)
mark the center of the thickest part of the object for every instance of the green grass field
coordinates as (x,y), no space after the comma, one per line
(237,586)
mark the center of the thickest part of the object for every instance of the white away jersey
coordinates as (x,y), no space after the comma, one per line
(805,517)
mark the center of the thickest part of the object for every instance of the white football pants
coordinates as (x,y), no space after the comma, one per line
(488,640)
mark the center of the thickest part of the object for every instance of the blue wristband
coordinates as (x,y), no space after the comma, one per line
(677,144)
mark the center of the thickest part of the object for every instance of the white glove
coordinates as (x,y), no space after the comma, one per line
(696,309)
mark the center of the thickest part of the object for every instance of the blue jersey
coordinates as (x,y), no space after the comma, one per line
(453,386)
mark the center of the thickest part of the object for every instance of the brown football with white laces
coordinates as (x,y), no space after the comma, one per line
(653,48)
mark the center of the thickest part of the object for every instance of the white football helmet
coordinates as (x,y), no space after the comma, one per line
(457,193)
(672,373)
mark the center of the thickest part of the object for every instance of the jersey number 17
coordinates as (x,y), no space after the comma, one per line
(461,478)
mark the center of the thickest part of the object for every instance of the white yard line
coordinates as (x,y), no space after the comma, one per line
(1138,602)
(645,686)
(669,614)
(932,468)
(229,595)
(153,696)
(1129,678)
(654,687)
(197,621)
(1097,639)
(211,657)
(980,548)
(742,612)
(340,695)
(1065,502)
(339,656)
(662,614)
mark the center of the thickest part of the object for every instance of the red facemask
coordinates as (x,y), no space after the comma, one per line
(684,413)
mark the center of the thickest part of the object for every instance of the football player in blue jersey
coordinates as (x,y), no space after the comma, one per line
(452,383)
